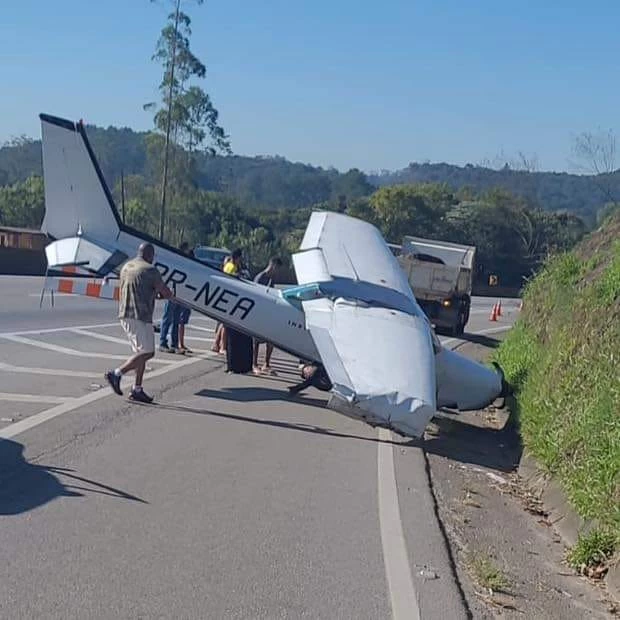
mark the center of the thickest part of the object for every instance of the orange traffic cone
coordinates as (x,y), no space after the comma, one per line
(499,308)
(493,316)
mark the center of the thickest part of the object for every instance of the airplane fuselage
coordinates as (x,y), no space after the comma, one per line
(254,309)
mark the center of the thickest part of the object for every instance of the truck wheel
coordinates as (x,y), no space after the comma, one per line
(459,327)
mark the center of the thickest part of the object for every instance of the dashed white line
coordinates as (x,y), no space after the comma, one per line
(49,371)
(403,596)
(201,329)
(199,339)
(104,337)
(23,425)
(67,351)
(54,330)
(34,398)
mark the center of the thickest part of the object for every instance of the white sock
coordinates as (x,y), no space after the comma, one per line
(117,372)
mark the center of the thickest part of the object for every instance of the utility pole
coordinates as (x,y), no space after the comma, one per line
(162,213)
(123,195)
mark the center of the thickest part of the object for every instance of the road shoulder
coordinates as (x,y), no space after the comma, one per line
(509,558)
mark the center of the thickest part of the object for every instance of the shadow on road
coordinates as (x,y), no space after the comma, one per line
(293,426)
(25,486)
(258,394)
(470,444)
(485,341)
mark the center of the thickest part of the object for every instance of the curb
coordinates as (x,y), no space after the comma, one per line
(565,520)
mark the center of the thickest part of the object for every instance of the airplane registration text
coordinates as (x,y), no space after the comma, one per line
(215,296)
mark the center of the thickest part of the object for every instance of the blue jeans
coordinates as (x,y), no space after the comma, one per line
(170,322)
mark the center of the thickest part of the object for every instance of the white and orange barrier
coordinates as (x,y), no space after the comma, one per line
(74,281)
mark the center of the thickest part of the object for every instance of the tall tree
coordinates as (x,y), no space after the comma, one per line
(596,155)
(186,116)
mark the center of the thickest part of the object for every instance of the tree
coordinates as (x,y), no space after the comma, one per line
(596,155)
(23,204)
(187,115)
(411,209)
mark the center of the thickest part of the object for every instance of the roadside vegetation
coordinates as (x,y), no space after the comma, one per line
(563,358)
(487,574)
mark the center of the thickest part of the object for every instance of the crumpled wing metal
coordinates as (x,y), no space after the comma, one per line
(364,349)
(349,249)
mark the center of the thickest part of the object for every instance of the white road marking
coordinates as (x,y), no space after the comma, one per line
(202,317)
(34,398)
(66,351)
(403,596)
(482,332)
(19,427)
(49,371)
(105,337)
(201,329)
(53,330)
(198,338)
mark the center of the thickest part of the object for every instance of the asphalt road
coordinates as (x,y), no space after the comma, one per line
(226,500)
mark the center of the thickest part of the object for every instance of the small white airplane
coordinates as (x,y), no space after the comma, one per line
(353,311)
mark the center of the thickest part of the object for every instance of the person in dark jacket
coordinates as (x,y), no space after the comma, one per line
(267,277)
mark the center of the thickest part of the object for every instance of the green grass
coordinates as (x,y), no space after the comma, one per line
(487,574)
(592,549)
(563,358)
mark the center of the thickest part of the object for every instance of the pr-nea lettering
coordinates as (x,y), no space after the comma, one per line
(163,269)
(176,277)
(221,299)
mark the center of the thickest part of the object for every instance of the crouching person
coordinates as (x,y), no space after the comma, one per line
(140,282)
(313,375)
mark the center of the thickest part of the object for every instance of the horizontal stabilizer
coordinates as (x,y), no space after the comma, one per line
(85,254)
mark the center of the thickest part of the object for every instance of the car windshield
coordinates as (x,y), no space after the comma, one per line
(209,254)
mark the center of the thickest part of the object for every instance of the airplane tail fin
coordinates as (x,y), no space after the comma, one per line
(77,199)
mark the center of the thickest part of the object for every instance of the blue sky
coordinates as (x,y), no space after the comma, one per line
(345,83)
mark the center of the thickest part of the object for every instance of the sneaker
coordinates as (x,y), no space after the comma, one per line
(164,348)
(115,381)
(140,396)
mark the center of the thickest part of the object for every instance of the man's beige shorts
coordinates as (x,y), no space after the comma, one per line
(141,335)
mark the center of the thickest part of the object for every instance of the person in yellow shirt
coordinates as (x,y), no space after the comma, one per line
(232,266)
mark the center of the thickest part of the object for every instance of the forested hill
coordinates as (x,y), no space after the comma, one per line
(580,194)
(275,182)
(256,182)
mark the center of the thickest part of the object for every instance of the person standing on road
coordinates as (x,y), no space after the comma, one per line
(184,311)
(232,266)
(140,282)
(171,319)
(266,277)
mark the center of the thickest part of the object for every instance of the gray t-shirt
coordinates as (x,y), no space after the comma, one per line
(137,294)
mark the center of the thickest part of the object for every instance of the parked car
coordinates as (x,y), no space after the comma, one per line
(214,257)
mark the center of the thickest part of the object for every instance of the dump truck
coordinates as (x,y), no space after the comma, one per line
(441,276)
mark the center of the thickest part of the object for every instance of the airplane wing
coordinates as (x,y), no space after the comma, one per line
(373,339)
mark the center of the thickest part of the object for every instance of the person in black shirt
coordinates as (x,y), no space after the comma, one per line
(266,277)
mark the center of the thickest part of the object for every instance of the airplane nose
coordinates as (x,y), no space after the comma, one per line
(507,389)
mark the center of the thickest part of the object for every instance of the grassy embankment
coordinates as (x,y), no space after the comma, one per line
(563,357)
